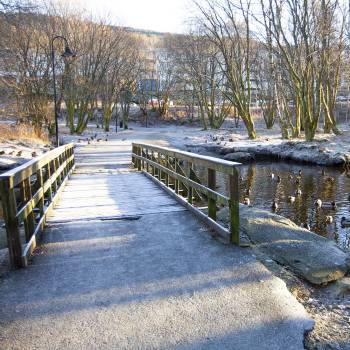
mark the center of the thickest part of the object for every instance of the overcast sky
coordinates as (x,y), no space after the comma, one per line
(158,15)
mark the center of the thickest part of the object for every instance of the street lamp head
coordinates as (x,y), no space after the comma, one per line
(68,53)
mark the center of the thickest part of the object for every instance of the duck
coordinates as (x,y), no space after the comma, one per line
(330,205)
(329,219)
(291,199)
(300,172)
(345,222)
(19,153)
(274,205)
(306,225)
(298,192)
(34,154)
(318,203)
(246,201)
(247,192)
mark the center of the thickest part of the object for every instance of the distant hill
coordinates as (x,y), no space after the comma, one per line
(144,31)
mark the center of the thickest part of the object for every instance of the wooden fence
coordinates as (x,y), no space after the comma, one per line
(28,193)
(174,171)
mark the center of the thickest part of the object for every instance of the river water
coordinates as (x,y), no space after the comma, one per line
(334,185)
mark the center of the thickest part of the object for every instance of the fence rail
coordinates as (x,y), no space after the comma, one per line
(28,193)
(174,171)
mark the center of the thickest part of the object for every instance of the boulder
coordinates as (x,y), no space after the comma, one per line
(309,255)
(239,157)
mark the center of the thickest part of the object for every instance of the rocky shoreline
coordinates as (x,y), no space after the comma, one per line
(313,153)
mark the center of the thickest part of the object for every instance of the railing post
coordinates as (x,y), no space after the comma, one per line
(160,173)
(211,201)
(153,168)
(177,182)
(49,179)
(138,160)
(8,199)
(190,189)
(147,156)
(133,159)
(234,208)
(142,161)
(166,174)
(26,196)
(39,175)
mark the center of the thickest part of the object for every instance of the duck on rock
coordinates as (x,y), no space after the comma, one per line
(318,203)
(274,205)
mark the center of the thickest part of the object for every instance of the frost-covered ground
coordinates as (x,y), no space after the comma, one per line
(325,150)
(328,308)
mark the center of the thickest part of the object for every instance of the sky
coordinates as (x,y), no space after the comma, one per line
(157,15)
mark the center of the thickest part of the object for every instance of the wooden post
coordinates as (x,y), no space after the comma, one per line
(26,196)
(160,173)
(139,160)
(48,178)
(177,182)
(212,202)
(166,175)
(234,208)
(133,151)
(39,175)
(55,186)
(190,189)
(147,156)
(143,155)
(153,169)
(12,230)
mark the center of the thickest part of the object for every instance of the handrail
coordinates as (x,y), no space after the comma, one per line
(28,194)
(174,171)
(217,164)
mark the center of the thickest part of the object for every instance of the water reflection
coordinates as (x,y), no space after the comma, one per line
(334,185)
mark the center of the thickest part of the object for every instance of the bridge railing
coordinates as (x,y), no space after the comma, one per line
(175,171)
(28,193)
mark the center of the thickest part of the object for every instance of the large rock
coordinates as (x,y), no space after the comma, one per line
(239,156)
(311,256)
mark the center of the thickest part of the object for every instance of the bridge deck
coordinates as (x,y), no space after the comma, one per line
(123,266)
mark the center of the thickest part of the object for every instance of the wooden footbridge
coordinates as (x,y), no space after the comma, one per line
(127,260)
(31,191)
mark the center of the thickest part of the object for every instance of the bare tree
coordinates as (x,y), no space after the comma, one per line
(233,40)
(308,42)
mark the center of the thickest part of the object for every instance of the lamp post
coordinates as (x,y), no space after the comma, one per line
(66,54)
